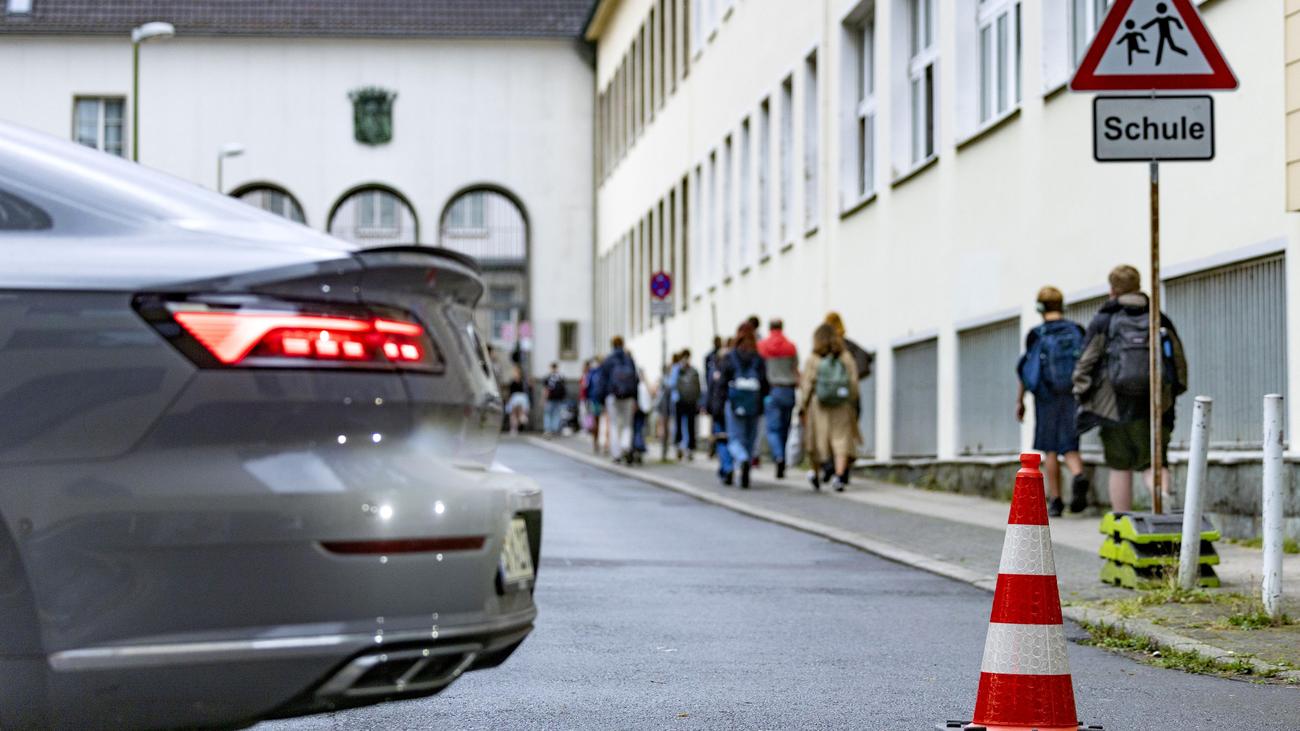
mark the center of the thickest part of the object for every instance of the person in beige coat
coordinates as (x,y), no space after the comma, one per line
(827,409)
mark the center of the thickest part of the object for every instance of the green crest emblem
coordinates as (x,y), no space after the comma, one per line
(372,115)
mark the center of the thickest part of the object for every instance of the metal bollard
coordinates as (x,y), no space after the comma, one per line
(1272,504)
(1189,569)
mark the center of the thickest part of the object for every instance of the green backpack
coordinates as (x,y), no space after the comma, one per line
(832,382)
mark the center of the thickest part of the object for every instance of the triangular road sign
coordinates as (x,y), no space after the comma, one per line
(1146,45)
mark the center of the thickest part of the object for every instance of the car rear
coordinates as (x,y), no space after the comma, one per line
(245,470)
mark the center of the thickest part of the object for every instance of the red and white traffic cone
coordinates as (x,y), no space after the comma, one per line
(1025,678)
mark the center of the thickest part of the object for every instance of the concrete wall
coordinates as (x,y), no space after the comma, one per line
(508,113)
(969,237)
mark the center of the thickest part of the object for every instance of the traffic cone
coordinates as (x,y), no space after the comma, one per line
(1025,677)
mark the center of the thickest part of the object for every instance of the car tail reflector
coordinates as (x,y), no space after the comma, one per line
(264,333)
(405,545)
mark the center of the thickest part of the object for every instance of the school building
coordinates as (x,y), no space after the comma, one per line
(921,167)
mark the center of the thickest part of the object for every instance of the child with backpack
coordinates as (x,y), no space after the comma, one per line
(1047,371)
(828,397)
(744,378)
(1112,383)
(688,388)
(620,382)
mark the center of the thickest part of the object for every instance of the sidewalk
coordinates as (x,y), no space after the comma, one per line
(960,536)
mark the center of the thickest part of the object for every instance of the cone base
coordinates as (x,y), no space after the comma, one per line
(961,726)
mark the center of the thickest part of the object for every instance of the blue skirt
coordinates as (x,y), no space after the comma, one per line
(1055,429)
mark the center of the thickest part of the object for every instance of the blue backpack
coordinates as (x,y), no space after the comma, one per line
(623,377)
(1049,364)
(743,391)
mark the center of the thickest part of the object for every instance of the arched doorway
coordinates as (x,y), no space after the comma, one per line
(489,224)
(271,198)
(374,215)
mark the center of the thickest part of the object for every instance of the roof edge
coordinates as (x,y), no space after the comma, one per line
(599,18)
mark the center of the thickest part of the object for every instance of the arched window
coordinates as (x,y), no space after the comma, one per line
(272,198)
(489,225)
(374,216)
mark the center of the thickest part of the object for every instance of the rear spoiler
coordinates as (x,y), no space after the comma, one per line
(433,251)
(421,269)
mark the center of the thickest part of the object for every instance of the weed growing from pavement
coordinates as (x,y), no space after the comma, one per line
(1290,545)
(1254,618)
(1149,651)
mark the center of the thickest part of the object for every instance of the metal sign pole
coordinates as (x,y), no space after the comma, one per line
(1156,347)
(665,401)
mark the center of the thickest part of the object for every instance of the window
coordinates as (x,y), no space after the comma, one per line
(652,64)
(786,192)
(377,214)
(1233,324)
(697,25)
(711,225)
(662,48)
(695,228)
(568,340)
(374,216)
(920,78)
(811,138)
(18,7)
(728,200)
(466,217)
(1085,20)
(764,170)
(915,423)
(98,122)
(275,201)
(16,214)
(999,57)
(985,385)
(859,104)
(746,174)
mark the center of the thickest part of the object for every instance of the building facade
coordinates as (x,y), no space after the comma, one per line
(920,167)
(461,124)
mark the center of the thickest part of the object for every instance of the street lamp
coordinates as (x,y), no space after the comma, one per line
(140,34)
(230,149)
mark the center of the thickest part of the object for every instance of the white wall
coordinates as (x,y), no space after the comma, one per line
(977,233)
(512,113)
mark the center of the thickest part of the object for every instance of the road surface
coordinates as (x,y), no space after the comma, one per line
(658,611)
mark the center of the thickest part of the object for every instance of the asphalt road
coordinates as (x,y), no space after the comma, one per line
(658,611)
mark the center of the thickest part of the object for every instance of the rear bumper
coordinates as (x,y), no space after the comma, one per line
(234,681)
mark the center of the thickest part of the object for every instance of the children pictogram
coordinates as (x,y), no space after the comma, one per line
(1164,23)
(1133,39)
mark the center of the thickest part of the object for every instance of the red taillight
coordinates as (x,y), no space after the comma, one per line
(276,334)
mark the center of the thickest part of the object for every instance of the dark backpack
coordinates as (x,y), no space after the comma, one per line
(688,385)
(743,391)
(1128,365)
(623,378)
(555,388)
(832,382)
(1049,364)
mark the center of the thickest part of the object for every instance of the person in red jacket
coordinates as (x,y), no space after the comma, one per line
(781,360)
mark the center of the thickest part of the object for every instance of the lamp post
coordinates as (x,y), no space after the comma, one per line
(230,149)
(140,34)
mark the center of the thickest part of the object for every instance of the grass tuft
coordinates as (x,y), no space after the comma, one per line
(1115,639)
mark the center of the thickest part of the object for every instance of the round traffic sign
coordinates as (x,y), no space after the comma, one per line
(661,285)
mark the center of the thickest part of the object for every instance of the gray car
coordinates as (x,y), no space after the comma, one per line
(246,470)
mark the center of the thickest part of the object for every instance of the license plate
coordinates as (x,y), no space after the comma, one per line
(517,555)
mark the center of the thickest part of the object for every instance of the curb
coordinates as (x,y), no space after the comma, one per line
(900,555)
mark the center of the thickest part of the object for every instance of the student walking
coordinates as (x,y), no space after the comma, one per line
(827,393)
(745,380)
(863,360)
(717,407)
(517,404)
(556,394)
(781,362)
(687,390)
(591,390)
(1047,371)
(618,376)
(1112,383)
